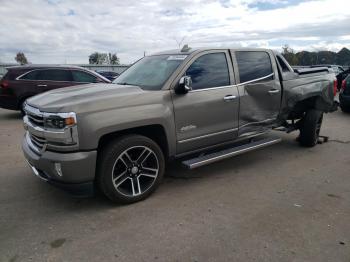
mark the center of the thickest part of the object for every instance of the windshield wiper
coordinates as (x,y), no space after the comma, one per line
(125,84)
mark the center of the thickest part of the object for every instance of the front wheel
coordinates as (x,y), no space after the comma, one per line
(130,168)
(310,128)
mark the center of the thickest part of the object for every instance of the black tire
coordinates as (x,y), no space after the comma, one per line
(113,160)
(310,128)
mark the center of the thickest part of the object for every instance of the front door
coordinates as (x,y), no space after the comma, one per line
(259,90)
(208,114)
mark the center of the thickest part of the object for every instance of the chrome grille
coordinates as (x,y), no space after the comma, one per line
(37,120)
(39,142)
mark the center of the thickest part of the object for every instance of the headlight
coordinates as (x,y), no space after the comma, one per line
(59,120)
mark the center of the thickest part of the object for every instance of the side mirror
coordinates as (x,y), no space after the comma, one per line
(184,85)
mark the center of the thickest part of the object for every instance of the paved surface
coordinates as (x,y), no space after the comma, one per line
(282,203)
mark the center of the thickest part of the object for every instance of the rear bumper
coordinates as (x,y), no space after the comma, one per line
(8,102)
(77,169)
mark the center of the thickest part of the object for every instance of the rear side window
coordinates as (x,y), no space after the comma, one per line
(80,76)
(283,65)
(208,71)
(253,65)
(30,75)
(12,74)
(54,75)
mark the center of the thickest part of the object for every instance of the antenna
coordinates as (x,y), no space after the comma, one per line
(179,43)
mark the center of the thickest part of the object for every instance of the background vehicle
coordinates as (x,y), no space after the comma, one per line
(110,75)
(201,105)
(21,82)
(344,96)
(336,68)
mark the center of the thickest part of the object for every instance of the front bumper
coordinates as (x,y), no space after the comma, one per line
(77,169)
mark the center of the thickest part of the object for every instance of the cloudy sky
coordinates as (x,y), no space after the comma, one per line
(67,31)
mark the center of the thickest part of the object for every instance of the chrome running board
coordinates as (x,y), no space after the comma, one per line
(230,152)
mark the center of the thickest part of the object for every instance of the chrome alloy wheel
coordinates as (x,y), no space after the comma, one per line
(135,171)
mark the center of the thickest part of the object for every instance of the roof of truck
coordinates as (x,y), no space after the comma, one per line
(191,50)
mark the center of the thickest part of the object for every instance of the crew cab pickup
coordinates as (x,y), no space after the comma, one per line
(201,105)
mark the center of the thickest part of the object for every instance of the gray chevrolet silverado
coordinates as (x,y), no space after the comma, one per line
(199,105)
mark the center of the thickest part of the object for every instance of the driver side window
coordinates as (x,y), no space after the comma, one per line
(210,70)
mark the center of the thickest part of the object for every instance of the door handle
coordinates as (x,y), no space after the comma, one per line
(274,91)
(41,85)
(229,98)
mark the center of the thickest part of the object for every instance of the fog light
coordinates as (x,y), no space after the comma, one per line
(58,169)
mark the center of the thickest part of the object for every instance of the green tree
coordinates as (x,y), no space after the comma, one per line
(103,58)
(343,57)
(289,55)
(113,59)
(21,58)
(98,58)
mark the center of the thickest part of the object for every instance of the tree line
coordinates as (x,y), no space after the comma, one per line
(306,58)
(302,58)
(95,58)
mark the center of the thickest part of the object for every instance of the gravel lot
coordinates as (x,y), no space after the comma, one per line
(282,203)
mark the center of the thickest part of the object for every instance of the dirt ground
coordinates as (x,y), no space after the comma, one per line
(281,203)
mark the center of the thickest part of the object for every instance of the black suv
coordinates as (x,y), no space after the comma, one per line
(21,82)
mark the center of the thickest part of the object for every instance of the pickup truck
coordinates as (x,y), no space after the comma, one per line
(200,105)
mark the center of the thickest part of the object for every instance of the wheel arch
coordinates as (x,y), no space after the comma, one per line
(156,132)
(313,102)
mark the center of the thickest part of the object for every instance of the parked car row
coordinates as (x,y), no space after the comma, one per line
(110,75)
(22,82)
(344,95)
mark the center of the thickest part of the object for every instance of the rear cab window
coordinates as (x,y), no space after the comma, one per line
(282,64)
(254,66)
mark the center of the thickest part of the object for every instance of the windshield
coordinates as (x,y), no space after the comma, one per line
(150,72)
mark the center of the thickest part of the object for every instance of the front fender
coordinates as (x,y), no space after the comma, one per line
(93,126)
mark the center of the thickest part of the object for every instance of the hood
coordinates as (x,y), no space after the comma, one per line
(76,97)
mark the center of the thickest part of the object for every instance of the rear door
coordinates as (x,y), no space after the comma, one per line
(259,90)
(26,84)
(208,114)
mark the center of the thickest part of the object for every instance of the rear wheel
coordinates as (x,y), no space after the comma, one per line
(130,169)
(310,128)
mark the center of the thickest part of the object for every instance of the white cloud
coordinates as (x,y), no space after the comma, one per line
(58,31)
